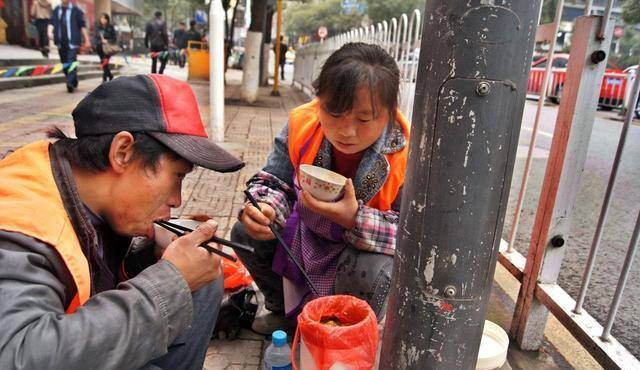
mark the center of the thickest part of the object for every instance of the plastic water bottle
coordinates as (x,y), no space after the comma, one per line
(278,354)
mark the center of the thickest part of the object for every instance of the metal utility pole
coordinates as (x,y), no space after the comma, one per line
(469,100)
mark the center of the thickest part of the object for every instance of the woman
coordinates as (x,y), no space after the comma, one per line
(354,128)
(105,34)
(41,14)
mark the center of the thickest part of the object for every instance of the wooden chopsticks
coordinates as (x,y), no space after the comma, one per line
(214,239)
(181,231)
(284,244)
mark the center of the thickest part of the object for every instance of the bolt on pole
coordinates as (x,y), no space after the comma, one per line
(469,100)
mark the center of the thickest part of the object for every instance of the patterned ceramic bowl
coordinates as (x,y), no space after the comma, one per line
(321,183)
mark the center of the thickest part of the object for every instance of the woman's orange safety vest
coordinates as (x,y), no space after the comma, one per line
(305,138)
(31,205)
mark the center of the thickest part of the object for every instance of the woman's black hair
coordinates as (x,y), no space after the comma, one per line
(92,152)
(354,65)
(107,17)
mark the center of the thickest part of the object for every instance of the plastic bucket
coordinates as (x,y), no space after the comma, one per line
(493,347)
(352,346)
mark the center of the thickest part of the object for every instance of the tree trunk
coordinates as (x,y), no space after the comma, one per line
(264,56)
(253,51)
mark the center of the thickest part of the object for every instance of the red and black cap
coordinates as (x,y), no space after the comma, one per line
(160,106)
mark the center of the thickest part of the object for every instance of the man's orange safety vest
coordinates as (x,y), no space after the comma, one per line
(305,139)
(31,204)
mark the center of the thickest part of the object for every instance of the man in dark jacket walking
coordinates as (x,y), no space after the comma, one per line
(76,293)
(68,29)
(283,56)
(157,40)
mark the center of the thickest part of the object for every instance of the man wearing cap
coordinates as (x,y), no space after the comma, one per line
(75,293)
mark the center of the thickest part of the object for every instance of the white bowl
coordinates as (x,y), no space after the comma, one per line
(164,237)
(323,184)
(493,347)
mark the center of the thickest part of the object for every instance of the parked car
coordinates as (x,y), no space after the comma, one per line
(611,92)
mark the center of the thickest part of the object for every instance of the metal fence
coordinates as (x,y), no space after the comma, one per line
(401,38)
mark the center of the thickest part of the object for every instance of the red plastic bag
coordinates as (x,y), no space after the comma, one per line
(235,274)
(353,345)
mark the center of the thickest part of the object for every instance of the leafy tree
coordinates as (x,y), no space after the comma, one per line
(302,19)
(380,10)
(174,10)
(631,11)
(629,48)
(305,18)
(548,11)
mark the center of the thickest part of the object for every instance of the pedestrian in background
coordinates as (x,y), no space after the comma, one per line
(193,34)
(105,40)
(283,56)
(41,14)
(68,28)
(180,43)
(157,40)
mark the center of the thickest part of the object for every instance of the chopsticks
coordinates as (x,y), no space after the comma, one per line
(172,227)
(283,243)
(214,239)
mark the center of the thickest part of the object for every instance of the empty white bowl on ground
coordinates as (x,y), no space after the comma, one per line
(323,184)
(493,347)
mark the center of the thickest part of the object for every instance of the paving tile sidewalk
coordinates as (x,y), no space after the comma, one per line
(249,133)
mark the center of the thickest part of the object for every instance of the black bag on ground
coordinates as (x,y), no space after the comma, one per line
(236,312)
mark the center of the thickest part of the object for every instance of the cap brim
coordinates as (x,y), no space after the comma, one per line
(200,151)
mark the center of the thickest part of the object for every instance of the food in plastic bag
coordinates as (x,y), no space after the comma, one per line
(235,274)
(337,332)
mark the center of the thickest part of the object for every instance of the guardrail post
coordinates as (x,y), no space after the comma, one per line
(631,77)
(469,100)
(574,124)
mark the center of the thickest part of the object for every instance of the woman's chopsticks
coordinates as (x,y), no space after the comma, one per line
(283,243)
(181,230)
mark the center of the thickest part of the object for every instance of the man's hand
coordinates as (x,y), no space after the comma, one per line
(198,266)
(87,41)
(342,212)
(50,32)
(256,222)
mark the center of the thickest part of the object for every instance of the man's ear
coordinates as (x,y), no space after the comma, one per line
(121,151)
